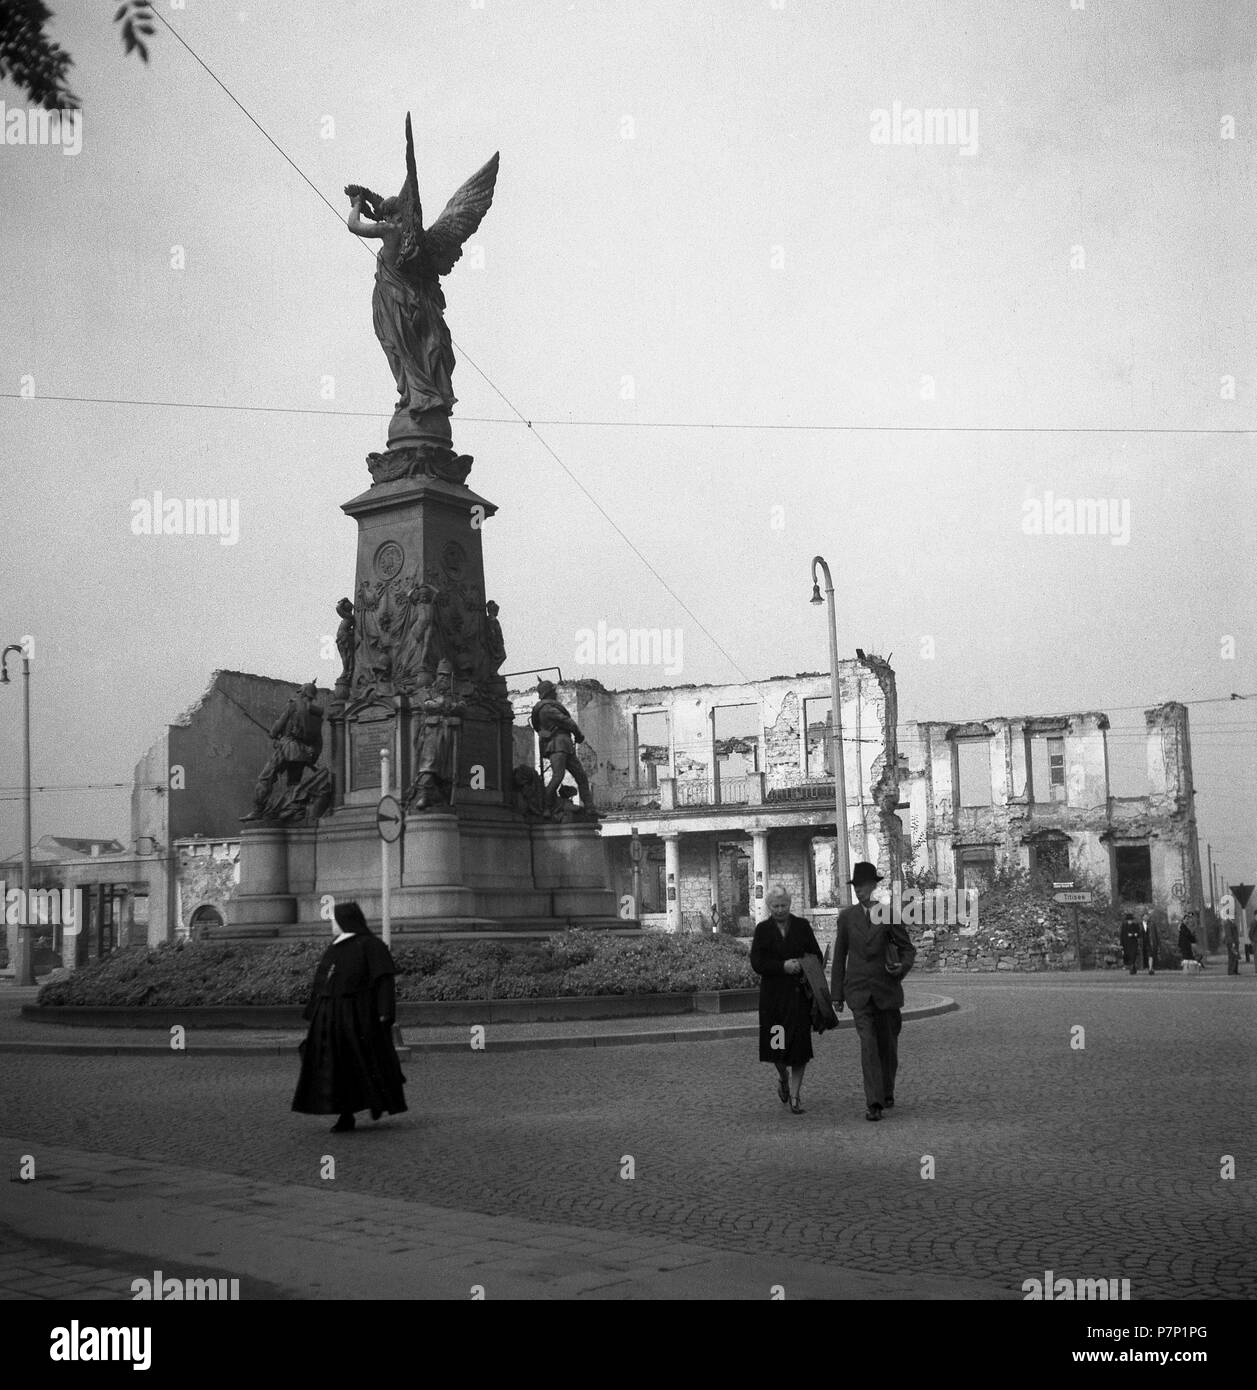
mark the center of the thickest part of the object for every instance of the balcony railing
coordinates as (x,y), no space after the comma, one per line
(724,791)
(704,793)
(802,790)
(694,793)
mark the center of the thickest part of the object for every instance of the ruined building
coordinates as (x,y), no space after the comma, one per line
(1034,791)
(728,788)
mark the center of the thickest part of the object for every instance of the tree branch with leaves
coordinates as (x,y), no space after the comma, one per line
(39,67)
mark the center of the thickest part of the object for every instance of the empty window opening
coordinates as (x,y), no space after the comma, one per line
(1134,873)
(736,732)
(651,748)
(1051,859)
(818,721)
(973,765)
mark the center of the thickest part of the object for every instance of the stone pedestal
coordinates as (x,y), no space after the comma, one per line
(425,686)
(465,869)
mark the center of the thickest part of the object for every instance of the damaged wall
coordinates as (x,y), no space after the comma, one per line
(1027,821)
(779,740)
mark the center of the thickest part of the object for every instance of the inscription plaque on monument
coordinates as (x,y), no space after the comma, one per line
(365,742)
(480,745)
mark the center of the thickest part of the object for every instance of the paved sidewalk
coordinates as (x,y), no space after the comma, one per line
(1108,1156)
(128,1215)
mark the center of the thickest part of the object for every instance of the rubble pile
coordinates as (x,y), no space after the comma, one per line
(1020,928)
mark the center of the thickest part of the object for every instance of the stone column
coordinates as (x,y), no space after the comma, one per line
(672,877)
(759,874)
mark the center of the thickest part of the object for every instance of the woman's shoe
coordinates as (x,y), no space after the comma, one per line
(796,1106)
(783,1090)
(340,1127)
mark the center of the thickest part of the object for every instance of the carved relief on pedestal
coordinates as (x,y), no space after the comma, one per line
(406,621)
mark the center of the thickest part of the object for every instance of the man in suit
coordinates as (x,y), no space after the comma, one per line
(870,961)
(1131,942)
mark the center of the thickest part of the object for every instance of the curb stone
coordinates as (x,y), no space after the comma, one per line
(941,1004)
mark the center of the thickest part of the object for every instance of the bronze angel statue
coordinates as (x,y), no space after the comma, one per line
(408,306)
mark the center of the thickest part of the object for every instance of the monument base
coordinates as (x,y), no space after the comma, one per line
(475,869)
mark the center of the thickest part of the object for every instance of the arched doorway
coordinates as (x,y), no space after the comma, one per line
(204,920)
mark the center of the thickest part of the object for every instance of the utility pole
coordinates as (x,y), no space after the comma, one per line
(24,962)
(842,861)
(1209,853)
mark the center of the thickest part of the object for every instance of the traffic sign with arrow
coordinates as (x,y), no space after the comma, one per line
(389,820)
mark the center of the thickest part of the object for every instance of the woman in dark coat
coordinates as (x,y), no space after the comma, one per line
(776,952)
(348,1062)
(1187,937)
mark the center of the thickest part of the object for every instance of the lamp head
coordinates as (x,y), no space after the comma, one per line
(816,594)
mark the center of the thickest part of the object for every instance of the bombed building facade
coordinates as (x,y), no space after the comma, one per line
(721,790)
(729,788)
(1035,792)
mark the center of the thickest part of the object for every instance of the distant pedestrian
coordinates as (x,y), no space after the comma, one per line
(348,1062)
(785,1011)
(1130,942)
(1187,937)
(870,962)
(1231,936)
(1150,940)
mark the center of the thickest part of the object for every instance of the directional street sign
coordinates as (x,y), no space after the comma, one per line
(388,819)
(1071,897)
(1066,883)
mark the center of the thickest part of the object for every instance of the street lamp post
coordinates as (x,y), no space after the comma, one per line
(843,864)
(23,964)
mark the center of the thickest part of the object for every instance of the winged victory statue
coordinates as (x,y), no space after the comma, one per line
(408,309)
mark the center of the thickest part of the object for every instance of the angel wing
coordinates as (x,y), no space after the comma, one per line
(463,214)
(411,215)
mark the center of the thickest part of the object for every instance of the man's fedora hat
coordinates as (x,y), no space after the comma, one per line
(864,872)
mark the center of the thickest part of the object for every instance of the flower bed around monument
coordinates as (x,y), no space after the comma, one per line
(572,963)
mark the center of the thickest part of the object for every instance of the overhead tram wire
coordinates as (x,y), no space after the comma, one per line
(519,419)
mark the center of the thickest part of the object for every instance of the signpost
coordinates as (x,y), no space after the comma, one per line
(389,822)
(388,819)
(1066,892)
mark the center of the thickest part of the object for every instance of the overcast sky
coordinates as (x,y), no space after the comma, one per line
(697,222)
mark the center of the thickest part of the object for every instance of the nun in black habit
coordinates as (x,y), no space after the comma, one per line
(785,1013)
(348,1062)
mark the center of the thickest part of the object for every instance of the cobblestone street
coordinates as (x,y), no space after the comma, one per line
(1098,1162)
